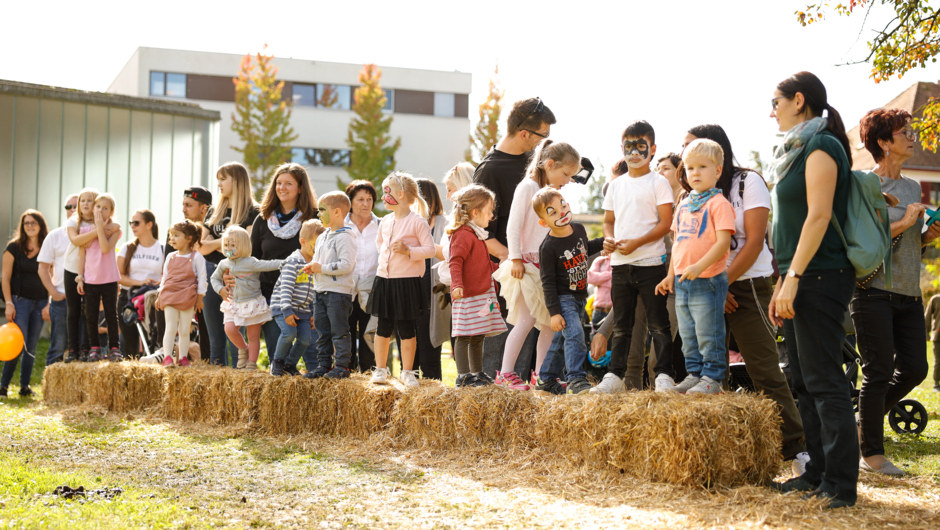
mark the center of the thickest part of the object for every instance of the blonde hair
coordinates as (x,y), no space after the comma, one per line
(240,200)
(467,199)
(110,198)
(460,175)
(560,153)
(409,185)
(336,199)
(239,236)
(94,198)
(311,229)
(706,148)
(544,198)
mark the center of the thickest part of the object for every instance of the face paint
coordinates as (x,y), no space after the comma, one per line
(388,198)
(324,214)
(565,215)
(636,152)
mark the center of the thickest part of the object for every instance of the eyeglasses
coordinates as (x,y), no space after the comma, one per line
(540,135)
(30,223)
(135,224)
(773,101)
(538,108)
(910,135)
(70,206)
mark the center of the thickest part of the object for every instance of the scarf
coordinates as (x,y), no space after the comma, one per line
(793,143)
(287,231)
(481,233)
(697,199)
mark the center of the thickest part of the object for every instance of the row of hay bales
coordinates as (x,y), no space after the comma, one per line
(725,440)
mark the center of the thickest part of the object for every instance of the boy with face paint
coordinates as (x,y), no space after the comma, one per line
(638,215)
(563,268)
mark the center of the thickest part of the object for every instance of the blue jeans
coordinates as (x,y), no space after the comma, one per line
(219,345)
(700,311)
(569,342)
(29,320)
(293,340)
(331,315)
(58,335)
(272,333)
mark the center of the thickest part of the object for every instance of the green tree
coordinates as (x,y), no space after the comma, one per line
(372,151)
(261,118)
(486,133)
(910,39)
(592,200)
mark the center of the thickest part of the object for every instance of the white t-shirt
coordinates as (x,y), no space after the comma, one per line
(634,202)
(146,264)
(53,251)
(71,255)
(756,195)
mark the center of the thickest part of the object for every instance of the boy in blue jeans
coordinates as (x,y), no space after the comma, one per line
(563,268)
(334,261)
(292,301)
(703,228)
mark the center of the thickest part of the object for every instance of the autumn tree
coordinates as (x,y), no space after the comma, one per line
(261,118)
(486,133)
(372,151)
(909,40)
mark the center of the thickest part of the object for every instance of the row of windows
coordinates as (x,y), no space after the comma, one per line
(311,157)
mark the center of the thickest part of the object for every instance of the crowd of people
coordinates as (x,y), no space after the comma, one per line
(685,263)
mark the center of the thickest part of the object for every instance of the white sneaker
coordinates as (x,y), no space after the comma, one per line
(380,376)
(686,384)
(664,383)
(611,384)
(154,358)
(706,385)
(409,378)
(798,464)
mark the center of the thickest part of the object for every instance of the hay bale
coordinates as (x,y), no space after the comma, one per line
(126,386)
(214,395)
(66,384)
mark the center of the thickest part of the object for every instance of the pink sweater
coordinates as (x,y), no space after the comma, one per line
(600,275)
(100,268)
(414,232)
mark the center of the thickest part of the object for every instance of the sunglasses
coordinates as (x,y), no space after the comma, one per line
(773,102)
(910,135)
(538,108)
(535,133)
(135,224)
(70,206)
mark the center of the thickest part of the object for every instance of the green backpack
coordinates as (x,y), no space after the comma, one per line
(867,234)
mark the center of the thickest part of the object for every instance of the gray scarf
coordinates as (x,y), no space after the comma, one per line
(481,233)
(793,144)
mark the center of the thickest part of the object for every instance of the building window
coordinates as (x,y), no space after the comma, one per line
(313,157)
(389,100)
(168,85)
(444,105)
(305,95)
(934,194)
(334,96)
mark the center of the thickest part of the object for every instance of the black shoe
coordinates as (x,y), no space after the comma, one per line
(277,368)
(338,373)
(468,380)
(552,386)
(291,370)
(832,502)
(24,391)
(483,376)
(579,386)
(794,484)
(83,357)
(316,373)
(3,392)
(71,356)
(115,356)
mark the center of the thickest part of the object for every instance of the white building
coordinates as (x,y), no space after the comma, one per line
(429,107)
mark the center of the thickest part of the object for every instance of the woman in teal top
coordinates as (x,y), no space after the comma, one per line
(811,176)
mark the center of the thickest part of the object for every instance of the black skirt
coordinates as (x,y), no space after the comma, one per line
(398,298)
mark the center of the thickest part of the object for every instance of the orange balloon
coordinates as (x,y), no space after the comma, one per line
(11,341)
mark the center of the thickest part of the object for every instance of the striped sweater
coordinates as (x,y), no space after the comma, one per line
(293,292)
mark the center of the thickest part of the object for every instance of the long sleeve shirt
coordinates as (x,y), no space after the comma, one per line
(293,292)
(336,254)
(600,275)
(524,234)
(563,265)
(412,230)
(247,272)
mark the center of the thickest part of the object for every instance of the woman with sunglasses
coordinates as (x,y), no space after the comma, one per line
(891,339)
(140,263)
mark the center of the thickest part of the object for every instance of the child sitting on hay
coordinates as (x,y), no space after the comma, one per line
(703,226)
(563,268)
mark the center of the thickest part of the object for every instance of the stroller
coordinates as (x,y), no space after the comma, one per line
(141,311)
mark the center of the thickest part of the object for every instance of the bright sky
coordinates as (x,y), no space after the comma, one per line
(597,65)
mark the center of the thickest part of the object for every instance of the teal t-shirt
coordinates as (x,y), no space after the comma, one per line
(790,208)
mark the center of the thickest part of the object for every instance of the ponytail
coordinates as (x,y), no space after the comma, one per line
(132,246)
(560,153)
(467,199)
(816,101)
(837,128)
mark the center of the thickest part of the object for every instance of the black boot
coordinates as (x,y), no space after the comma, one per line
(291,369)
(277,368)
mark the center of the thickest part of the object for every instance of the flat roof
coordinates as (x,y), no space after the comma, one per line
(177,108)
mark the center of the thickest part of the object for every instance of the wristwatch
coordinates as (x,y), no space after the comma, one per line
(792,274)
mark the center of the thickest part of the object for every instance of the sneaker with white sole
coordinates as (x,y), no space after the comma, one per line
(798,464)
(380,376)
(687,383)
(511,381)
(664,383)
(706,385)
(154,358)
(410,378)
(611,384)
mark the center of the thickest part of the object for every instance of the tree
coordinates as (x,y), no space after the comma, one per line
(261,118)
(372,151)
(486,133)
(592,199)
(909,40)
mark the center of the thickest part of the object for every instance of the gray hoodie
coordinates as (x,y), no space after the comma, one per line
(247,272)
(336,254)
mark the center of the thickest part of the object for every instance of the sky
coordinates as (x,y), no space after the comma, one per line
(598,65)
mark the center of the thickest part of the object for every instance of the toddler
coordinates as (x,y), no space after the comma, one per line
(181,290)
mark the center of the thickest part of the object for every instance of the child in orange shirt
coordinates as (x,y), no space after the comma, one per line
(702,227)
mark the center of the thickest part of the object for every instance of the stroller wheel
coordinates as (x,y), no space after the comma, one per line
(908,416)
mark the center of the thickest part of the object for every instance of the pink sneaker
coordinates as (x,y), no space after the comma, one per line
(184,362)
(168,362)
(511,381)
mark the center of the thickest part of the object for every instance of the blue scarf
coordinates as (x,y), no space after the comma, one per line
(793,143)
(698,199)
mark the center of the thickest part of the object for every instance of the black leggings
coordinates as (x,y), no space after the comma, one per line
(74,304)
(106,294)
(363,358)
(468,354)
(386,326)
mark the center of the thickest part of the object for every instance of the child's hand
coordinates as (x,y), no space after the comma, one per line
(457,293)
(199,304)
(226,294)
(518,269)
(158,304)
(609,245)
(627,246)
(313,268)
(291,320)
(691,272)
(401,248)
(558,323)
(99,219)
(81,287)
(666,286)
(312,325)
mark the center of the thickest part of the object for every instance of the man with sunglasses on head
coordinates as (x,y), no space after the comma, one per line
(501,170)
(51,260)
